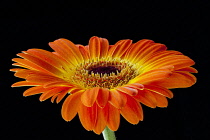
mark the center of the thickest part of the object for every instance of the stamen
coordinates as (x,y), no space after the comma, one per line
(103,69)
(107,74)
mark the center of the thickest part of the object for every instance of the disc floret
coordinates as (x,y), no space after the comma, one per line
(103,73)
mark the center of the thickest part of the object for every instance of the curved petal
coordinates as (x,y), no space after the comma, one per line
(98,47)
(24,83)
(132,111)
(158,55)
(136,86)
(161,100)
(117,99)
(120,48)
(40,63)
(147,98)
(16,69)
(67,50)
(84,52)
(62,94)
(148,51)
(89,97)
(128,90)
(34,90)
(48,57)
(70,106)
(57,84)
(178,61)
(177,80)
(137,48)
(29,65)
(43,79)
(103,97)
(159,90)
(188,69)
(68,45)
(104,48)
(88,116)
(94,47)
(22,73)
(113,119)
(47,94)
(54,97)
(101,120)
(151,76)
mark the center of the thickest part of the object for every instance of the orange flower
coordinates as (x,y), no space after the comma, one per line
(103,81)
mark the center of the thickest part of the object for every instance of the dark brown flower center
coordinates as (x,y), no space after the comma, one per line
(104,69)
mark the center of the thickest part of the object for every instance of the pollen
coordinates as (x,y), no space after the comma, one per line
(102,73)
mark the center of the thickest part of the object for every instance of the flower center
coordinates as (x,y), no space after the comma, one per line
(104,69)
(103,73)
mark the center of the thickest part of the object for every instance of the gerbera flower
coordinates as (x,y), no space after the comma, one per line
(104,81)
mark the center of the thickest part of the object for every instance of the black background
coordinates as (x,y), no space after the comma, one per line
(181,25)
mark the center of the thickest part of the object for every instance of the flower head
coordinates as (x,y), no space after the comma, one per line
(102,81)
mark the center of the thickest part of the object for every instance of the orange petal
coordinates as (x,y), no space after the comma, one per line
(63,50)
(178,61)
(117,99)
(16,69)
(120,48)
(89,96)
(34,90)
(71,47)
(44,79)
(103,97)
(161,100)
(98,47)
(159,55)
(57,84)
(47,94)
(104,48)
(49,57)
(61,95)
(70,106)
(54,97)
(178,80)
(101,121)
(132,111)
(159,90)
(24,73)
(151,76)
(147,98)
(39,62)
(84,52)
(128,90)
(148,51)
(113,119)
(188,69)
(136,86)
(24,83)
(28,64)
(88,116)
(137,48)
(168,67)
(94,47)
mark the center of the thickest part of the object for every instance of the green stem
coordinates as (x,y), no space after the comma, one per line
(108,134)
